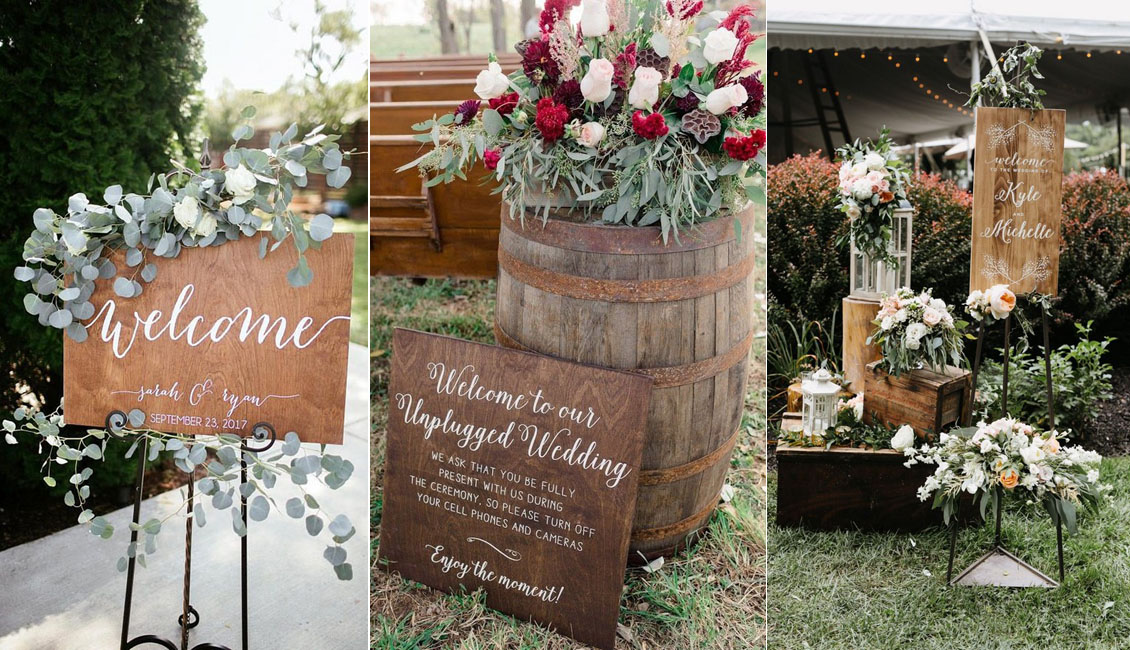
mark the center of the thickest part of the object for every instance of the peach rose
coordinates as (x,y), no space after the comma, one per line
(1051,446)
(1001,300)
(1009,478)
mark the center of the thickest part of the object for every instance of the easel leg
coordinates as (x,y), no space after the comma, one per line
(138,488)
(973,377)
(243,545)
(953,541)
(187,612)
(1048,370)
(1007,350)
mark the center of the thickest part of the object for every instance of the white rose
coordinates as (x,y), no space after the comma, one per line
(206,226)
(591,133)
(853,212)
(645,88)
(931,316)
(241,183)
(596,85)
(915,332)
(939,305)
(491,82)
(594,18)
(887,323)
(874,161)
(1032,454)
(901,316)
(719,46)
(859,170)
(723,99)
(903,439)
(1001,300)
(186,212)
(845,170)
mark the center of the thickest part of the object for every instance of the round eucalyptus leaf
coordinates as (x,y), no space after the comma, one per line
(332,159)
(259,508)
(222,500)
(24,273)
(321,227)
(314,525)
(77,332)
(237,524)
(149,272)
(89,272)
(137,418)
(123,287)
(338,177)
(134,257)
(31,304)
(113,194)
(131,232)
(341,526)
(43,219)
(344,571)
(198,515)
(295,168)
(106,269)
(60,319)
(301,275)
(291,444)
(82,310)
(77,203)
(122,213)
(68,294)
(46,284)
(335,555)
(295,507)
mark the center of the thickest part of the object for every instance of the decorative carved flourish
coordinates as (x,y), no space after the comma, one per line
(509,554)
(1038,269)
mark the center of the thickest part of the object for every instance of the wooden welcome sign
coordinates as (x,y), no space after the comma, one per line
(218,342)
(516,473)
(1017,199)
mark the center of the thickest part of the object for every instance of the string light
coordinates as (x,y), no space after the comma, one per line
(1059,57)
(824,90)
(800,82)
(810,50)
(776,73)
(835,53)
(863,55)
(1088,55)
(915,77)
(916,59)
(897,64)
(945,59)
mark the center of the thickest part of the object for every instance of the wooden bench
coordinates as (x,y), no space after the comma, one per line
(428,90)
(397,118)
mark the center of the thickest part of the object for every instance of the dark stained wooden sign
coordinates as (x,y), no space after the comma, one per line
(1017,199)
(218,342)
(513,472)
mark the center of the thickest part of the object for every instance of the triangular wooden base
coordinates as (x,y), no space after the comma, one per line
(999,568)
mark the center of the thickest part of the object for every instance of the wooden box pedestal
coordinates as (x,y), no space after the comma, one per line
(849,488)
(926,400)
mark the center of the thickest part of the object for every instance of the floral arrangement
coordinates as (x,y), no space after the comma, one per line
(916,330)
(993,304)
(849,431)
(646,113)
(873,182)
(1010,457)
(68,253)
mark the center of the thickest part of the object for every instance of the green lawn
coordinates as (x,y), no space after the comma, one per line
(391,41)
(359,309)
(861,591)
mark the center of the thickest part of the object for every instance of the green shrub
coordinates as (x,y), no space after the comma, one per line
(794,345)
(90,99)
(1080,376)
(941,232)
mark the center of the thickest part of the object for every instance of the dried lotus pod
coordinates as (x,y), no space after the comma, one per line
(703,125)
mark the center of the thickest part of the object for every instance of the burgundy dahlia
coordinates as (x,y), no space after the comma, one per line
(569,94)
(504,104)
(551,118)
(755,95)
(538,62)
(466,112)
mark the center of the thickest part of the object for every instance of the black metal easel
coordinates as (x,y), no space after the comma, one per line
(998,546)
(262,438)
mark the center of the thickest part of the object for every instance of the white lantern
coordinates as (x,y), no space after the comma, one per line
(871,278)
(818,408)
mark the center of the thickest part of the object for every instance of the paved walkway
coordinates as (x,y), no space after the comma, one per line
(64,592)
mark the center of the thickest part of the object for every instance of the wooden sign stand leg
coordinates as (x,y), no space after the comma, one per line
(998,547)
(262,438)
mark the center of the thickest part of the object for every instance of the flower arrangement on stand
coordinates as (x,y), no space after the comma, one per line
(873,182)
(249,196)
(916,330)
(643,114)
(1008,457)
(993,304)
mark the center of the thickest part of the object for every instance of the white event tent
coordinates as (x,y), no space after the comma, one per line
(905,65)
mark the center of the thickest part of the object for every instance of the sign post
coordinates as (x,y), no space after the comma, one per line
(515,473)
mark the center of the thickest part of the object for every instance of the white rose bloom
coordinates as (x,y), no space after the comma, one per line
(591,133)
(859,170)
(723,99)
(594,18)
(186,212)
(901,316)
(887,323)
(914,334)
(931,316)
(903,438)
(491,83)
(1032,454)
(938,304)
(241,183)
(874,161)
(206,227)
(719,46)
(1001,300)
(645,88)
(596,85)
(845,170)
(853,212)
(861,189)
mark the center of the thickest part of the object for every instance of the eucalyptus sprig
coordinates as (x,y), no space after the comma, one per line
(1008,84)
(71,453)
(250,195)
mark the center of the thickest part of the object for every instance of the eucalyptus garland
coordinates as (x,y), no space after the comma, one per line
(250,196)
(68,253)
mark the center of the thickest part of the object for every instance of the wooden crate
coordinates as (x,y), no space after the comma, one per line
(926,400)
(844,488)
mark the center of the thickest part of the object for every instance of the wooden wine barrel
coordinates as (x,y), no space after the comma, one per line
(618,297)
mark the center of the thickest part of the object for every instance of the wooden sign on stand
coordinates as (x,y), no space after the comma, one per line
(1017,199)
(218,342)
(515,473)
